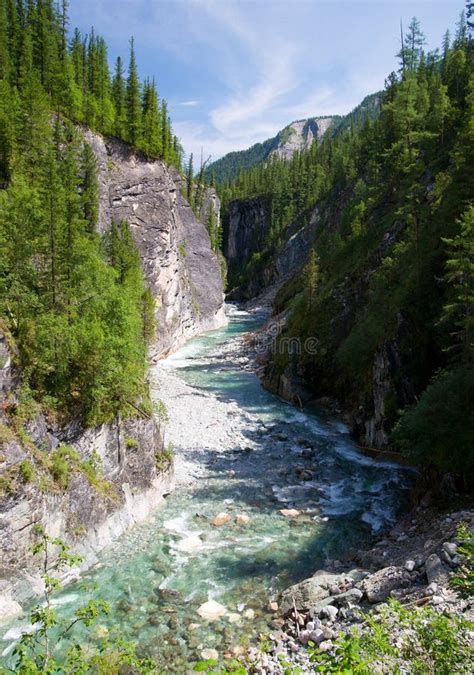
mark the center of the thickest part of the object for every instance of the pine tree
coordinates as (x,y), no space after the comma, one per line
(152,136)
(134,126)
(311,277)
(119,99)
(190,181)
(89,187)
(459,311)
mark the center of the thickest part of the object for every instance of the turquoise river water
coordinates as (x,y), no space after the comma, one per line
(155,581)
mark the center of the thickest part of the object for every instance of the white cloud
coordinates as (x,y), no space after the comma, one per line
(188,104)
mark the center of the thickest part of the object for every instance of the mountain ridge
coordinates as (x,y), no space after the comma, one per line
(297,135)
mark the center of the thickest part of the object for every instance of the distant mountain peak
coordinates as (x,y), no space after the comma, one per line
(296,136)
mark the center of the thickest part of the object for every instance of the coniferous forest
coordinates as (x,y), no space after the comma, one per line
(274,482)
(74,301)
(395,244)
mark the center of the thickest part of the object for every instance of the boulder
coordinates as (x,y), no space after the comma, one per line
(435,570)
(290,513)
(307,593)
(450,548)
(212,610)
(351,597)
(220,519)
(378,586)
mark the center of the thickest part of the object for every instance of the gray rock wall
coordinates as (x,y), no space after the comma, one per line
(174,245)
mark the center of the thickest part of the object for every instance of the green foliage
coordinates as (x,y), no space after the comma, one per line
(402,640)
(439,429)
(463,579)
(27,471)
(51,647)
(391,197)
(75,303)
(36,60)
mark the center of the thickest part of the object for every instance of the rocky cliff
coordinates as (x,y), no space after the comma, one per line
(178,262)
(87,486)
(290,369)
(298,135)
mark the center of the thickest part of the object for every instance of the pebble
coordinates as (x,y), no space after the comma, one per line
(273,606)
(330,612)
(249,614)
(410,565)
(212,610)
(290,513)
(325,646)
(316,636)
(432,588)
(437,599)
(210,654)
(220,519)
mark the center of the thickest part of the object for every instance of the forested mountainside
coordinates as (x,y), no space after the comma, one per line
(296,136)
(378,221)
(103,262)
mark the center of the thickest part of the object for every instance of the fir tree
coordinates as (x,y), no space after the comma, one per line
(134,122)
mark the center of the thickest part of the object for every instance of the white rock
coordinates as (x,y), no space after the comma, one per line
(437,599)
(212,610)
(9,607)
(233,617)
(290,513)
(410,565)
(210,654)
(249,614)
(325,646)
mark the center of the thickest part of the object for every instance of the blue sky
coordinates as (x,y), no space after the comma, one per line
(234,72)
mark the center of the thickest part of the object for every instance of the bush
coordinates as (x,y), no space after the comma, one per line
(26,471)
(402,640)
(439,429)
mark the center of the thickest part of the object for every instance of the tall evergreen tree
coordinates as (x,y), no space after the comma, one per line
(134,121)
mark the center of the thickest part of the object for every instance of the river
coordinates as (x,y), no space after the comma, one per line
(239,451)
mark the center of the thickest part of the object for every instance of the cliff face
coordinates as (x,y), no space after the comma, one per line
(300,135)
(246,235)
(87,486)
(174,245)
(118,473)
(388,380)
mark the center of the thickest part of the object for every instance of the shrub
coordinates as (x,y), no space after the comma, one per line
(26,471)
(439,429)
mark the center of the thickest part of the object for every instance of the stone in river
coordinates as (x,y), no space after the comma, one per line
(221,519)
(242,519)
(249,614)
(212,610)
(210,654)
(289,513)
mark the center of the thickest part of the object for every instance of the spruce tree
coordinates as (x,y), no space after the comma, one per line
(119,99)
(134,122)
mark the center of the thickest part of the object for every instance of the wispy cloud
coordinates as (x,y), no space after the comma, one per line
(237,71)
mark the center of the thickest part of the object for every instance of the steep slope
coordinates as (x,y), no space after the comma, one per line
(375,308)
(87,486)
(298,135)
(179,265)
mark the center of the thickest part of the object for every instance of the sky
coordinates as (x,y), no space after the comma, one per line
(234,72)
